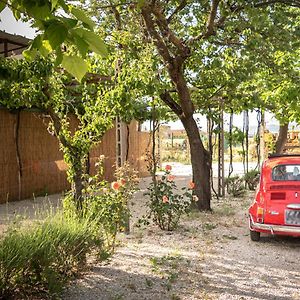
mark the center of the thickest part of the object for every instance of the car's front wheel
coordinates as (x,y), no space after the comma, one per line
(254,235)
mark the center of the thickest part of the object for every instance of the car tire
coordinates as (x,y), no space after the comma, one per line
(255,236)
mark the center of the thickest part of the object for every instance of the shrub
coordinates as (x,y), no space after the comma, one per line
(107,203)
(37,260)
(166,205)
(235,186)
(110,211)
(252,179)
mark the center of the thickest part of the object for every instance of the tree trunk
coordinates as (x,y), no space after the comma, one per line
(77,187)
(201,164)
(158,28)
(282,138)
(75,161)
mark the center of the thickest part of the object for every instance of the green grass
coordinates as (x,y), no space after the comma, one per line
(39,259)
(167,266)
(225,210)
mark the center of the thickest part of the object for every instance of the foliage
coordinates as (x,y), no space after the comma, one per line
(37,260)
(107,204)
(129,179)
(37,84)
(236,137)
(225,210)
(206,54)
(166,204)
(252,179)
(168,267)
(235,186)
(173,155)
(270,142)
(60,24)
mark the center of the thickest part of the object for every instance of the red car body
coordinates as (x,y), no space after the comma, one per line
(276,207)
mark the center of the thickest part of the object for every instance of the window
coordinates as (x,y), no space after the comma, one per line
(286,173)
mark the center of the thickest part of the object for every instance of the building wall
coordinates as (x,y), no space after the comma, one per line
(43,170)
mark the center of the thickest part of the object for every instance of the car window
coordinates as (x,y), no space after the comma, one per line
(286,173)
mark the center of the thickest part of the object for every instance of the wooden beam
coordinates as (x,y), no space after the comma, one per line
(5,49)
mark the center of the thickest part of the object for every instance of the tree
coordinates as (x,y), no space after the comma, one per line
(59,24)
(199,47)
(279,90)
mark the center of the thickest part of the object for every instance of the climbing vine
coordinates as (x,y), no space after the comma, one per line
(38,84)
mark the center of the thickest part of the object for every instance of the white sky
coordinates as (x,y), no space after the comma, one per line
(271,122)
(10,25)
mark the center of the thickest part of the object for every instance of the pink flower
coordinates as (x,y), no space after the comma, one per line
(170,177)
(191,185)
(165,199)
(105,190)
(168,168)
(122,181)
(115,185)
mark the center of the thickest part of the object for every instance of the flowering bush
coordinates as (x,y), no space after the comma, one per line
(166,203)
(107,202)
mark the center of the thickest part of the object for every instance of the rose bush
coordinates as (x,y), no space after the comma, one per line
(166,203)
(107,203)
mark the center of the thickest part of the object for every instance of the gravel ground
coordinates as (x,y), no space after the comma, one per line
(210,256)
(34,208)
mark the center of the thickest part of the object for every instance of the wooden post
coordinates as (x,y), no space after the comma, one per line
(221,177)
(261,139)
(5,48)
(121,156)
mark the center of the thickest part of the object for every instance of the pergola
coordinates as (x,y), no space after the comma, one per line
(12,44)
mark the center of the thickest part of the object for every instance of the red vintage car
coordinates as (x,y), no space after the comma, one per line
(276,208)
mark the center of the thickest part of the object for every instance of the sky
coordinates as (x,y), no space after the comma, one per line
(271,123)
(10,25)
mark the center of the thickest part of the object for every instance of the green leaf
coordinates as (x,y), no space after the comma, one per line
(39,12)
(75,65)
(81,15)
(140,3)
(3,4)
(82,46)
(59,57)
(53,4)
(45,48)
(56,34)
(37,42)
(64,6)
(95,43)
(15,10)
(70,23)
(30,54)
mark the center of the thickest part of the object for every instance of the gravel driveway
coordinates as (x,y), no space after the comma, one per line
(209,257)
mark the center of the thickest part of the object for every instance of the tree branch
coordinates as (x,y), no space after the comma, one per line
(210,25)
(180,7)
(157,39)
(294,3)
(168,33)
(167,99)
(211,19)
(117,4)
